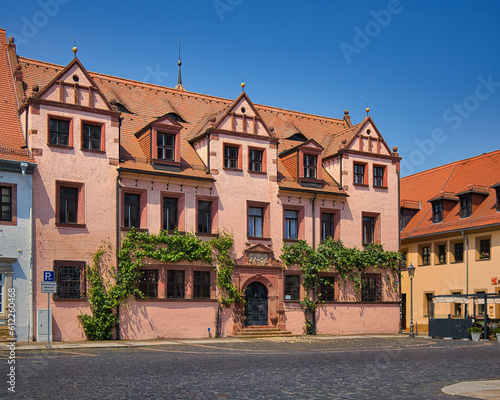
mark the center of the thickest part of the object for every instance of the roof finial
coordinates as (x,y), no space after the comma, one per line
(74,47)
(242,83)
(179,63)
(367,109)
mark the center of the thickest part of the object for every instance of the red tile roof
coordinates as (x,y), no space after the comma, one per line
(11,134)
(476,174)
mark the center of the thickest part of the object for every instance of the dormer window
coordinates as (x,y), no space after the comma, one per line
(165,146)
(465,205)
(310,166)
(437,212)
(498,198)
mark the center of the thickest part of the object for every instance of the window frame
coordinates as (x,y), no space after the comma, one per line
(80,204)
(442,257)
(213,215)
(292,289)
(149,283)
(328,291)
(455,252)
(310,169)
(237,160)
(263,165)
(374,293)
(59,118)
(424,256)
(286,234)
(427,303)
(253,221)
(82,290)
(357,177)
(333,224)
(165,147)
(12,204)
(266,229)
(101,126)
(175,289)
(142,207)
(466,209)
(167,212)
(483,246)
(202,287)
(437,211)
(380,181)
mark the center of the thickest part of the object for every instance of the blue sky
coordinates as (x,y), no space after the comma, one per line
(429,70)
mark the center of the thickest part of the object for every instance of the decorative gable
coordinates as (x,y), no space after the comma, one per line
(258,255)
(74,86)
(368,139)
(243,117)
(304,163)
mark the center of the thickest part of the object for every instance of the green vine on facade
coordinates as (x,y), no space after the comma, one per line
(104,299)
(350,263)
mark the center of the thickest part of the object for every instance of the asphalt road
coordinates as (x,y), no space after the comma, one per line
(291,368)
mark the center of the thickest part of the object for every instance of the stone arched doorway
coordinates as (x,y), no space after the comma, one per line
(256,305)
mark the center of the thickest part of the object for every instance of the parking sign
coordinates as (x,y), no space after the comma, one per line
(48,276)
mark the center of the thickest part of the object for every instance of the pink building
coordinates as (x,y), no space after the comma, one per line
(115,154)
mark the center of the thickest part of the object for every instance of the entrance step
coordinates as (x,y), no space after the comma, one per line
(261,331)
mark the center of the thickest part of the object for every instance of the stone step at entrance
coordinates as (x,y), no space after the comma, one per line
(261,331)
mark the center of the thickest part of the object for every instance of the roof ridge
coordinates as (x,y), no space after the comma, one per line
(315,116)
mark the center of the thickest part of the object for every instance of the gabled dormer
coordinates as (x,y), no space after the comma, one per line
(470,198)
(74,87)
(442,204)
(160,141)
(304,163)
(367,139)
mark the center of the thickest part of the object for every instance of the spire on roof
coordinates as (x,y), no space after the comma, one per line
(179,63)
(367,109)
(75,49)
(242,83)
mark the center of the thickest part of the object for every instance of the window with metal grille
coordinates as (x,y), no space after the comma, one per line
(68,205)
(70,279)
(59,132)
(148,283)
(91,137)
(370,288)
(255,160)
(291,224)
(204,216)
(132,210)
(442,253)
(327,288)
(5,203)
(255,221)
(327,225)
(465,206)
(165,143)
(378,176)
(292,287)
(310,166)
(368,230)
(231,157)
(175,284)
(359,173)
(437,211)
(169,214)
(201,287)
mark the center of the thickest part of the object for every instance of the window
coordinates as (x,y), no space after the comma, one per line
(204,216)
(327,226)
(169,214)
(359,174)
(437,211)
(165,143)
(442,254)
(425,253)
(310,166)
(428,304)
(59,132)
(368,230)
(327,288)
(148,283)
(292,287)
(255,221)
(465,206)
(484,249)
(175,284)
(70,279)
(255,160)
(370,288)
(132,210)
(404,259)
(5,203)
(91,137)
(459,252)
(201,288)
(498,198)
(291,224)
(378,176)
(68,205)
(231,157)
(480,307)
(406,216)
(457,307)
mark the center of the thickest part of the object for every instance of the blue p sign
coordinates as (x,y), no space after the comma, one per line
(48,276)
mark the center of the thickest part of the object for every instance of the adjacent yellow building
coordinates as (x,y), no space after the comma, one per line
(450,232)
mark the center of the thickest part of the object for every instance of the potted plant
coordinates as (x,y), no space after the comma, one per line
(475,332)
(496,330)
(484,255)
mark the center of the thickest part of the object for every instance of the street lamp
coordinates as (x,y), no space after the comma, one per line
(411,274)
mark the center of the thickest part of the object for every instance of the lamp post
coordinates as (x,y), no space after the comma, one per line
(411,274)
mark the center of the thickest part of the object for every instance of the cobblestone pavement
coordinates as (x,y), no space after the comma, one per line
(284,368)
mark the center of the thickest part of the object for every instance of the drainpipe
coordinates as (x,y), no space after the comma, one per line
(207,135)
(340,156)
(466,271)
(314,221)
(118,203)
(27,123)
(23,166)
(398,173)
